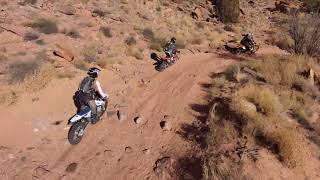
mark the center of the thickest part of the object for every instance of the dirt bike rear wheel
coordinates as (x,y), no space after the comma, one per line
(76,132)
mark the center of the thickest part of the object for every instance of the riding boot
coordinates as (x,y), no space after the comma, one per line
(94,118)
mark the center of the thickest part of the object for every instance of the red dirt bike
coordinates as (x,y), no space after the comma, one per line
(163,62)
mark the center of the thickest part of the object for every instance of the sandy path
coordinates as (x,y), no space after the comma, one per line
(102,154)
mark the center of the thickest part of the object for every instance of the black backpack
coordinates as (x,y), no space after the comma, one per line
(86,85)
(85,92)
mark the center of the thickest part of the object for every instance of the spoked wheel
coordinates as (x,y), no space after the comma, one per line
(76,132)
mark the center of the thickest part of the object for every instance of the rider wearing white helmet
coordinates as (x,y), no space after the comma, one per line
(89,88)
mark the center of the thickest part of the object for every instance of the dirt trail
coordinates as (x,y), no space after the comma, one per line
(111,149)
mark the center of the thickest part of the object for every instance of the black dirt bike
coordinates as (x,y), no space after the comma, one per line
(242,50)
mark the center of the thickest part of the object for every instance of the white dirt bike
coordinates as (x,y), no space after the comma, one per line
(81,119)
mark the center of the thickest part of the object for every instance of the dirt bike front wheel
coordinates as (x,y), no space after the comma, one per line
(76,132)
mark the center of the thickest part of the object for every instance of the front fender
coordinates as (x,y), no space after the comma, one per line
(74,119)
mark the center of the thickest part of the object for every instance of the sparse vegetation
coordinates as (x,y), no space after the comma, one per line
(228,10)
(148,34)
(135,52)
(256,110)
(25,2)
(90,53)
(45,26)
(131,41)
(30,36)
(40,78)
(73,33)
(8,98)
(81,64)
(304,30)
(100,12)
(312,5)
(106,31)
(20,70)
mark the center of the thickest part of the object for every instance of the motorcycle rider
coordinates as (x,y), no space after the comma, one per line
(247,41)
(89,88)
(170,50)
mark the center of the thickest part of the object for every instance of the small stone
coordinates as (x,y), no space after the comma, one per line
(10,156)
(35,130)
(72,167)
(128,149)
(138,120)
(121,116)
(146,151)
(165,125)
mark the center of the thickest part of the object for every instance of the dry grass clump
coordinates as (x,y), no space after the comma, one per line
(45,26)
(312,5)
(271,130)
(130,41)
(228,10)
(90,53)
(148,34)
(106,31)
(25,2)
(266,101)
(73,33)
(30,36)
(8,98)
(20,70)
(283,41)
(136,52)
(40,78)
(81,64)
(100,12)
(65,74)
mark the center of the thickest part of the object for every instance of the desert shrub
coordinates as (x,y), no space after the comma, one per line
(131,41)
(196,40)
(25,2)
(148,34)
(181,43)
(228,10)
(100,12)
(3,57)
(283,140)
(137,53)
(40,78)
(106,31)
(232,73)
(304,30)
(284,42)
(81,64)
(277,70)
(45,26)
(73,33)
(304,86)
(90,53)
(40,42)
(30,36)
(65,74)
(8,98)
(312,5)
(84,1)
(267,101)
(20,70)
(156,45)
